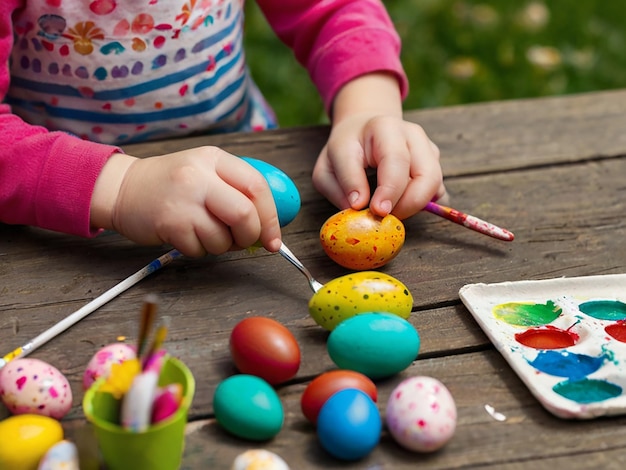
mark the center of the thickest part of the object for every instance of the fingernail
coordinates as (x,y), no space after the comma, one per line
(386,207)
(353,197)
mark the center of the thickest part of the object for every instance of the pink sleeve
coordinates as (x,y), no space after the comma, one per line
(338,40)
(46,178)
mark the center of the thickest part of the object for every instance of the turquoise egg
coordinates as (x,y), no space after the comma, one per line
(376,344)
(248,407)
(284,190)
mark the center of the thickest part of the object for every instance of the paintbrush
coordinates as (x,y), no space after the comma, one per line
(469,221)
(81,313)
(152,354)
(146,320)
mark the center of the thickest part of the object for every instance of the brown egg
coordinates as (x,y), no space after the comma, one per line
(360,240)
(266,348)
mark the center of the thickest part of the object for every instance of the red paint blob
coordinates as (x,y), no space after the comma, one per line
(617,330)
(547,337)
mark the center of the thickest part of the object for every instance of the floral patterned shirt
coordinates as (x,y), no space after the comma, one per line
(134,70)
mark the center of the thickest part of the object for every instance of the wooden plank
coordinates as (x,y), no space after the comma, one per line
(474,139)
(555,190)
(559,229)
(205,298)
(480,441)
(505,135)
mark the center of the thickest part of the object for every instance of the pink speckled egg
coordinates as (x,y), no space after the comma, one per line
(421,414)
(35,387)
(101,362)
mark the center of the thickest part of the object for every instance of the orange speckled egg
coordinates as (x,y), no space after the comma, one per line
(360,240)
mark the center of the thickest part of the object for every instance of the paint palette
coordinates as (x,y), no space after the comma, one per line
(565,338)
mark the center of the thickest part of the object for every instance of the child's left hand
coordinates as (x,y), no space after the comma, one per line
(369,131)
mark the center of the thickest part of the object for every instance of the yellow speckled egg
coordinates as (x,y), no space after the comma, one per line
(360,292)
(360,240)
(25,439)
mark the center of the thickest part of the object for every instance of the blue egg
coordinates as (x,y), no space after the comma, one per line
(284,190)
(349,424)
(247,406)
(377,344)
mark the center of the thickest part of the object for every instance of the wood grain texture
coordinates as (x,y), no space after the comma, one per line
(550,170)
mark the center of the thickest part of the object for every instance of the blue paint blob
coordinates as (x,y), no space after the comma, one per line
(587,390)
(112,47)
(566,364)
(100,73)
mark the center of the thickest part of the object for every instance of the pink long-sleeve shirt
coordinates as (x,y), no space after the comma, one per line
(76,84)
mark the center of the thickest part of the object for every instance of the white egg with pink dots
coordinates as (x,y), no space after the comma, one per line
(34,386)
(421,414)
(102,361)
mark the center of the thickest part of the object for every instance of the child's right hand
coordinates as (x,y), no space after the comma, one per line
(201,200)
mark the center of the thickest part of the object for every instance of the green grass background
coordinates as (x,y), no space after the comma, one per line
(457,52)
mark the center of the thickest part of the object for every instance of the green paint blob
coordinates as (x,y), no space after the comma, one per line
(604,309)
(587,390)
(527,313)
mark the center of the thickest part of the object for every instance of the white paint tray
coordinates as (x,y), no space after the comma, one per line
(565,338)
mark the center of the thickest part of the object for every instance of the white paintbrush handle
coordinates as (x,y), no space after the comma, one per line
(96,303)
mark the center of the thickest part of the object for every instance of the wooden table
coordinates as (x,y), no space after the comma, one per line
(551,170)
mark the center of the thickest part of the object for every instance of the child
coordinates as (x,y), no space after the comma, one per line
(81,78)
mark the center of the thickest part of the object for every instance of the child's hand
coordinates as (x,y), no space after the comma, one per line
(199,200)
(368,131)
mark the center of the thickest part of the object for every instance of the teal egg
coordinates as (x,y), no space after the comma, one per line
(285,193)
(376,344)
(248,407)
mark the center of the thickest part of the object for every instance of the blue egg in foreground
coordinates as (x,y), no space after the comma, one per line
(248,407)
(285,193)
(349,424)
(377,344)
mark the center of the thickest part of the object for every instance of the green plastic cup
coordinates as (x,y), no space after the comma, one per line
(161,446)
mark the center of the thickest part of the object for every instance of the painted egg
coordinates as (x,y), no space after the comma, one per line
(100,364)
(34,386)
(421,414)
(61,456)
(376,344)
(25,439)
(264,347)
(259,459)
(248,407)
(360,240)
(349,425)
(284,190)
(353,294)
(325,385)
